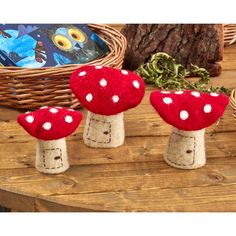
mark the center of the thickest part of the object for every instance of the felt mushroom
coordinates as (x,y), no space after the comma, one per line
(190,112)
(106,92)
(50,125)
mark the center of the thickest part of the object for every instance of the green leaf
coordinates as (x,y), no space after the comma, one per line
(163,71)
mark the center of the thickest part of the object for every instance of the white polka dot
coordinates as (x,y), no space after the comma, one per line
(124,72)
(29,119)
(103,82)
(68,119)
(47,126)
(27,112)
(115,98)
(136,84)
(89,97)
(167,100)
(195,94)
(71,109)
(207,108)
(44,107)
(183,115)
(82,73)
(214,94)
(165,92)
(53,110)
(59,107)
(179,92)
(98,67)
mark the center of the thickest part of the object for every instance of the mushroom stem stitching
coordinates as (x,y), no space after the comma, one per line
(190,112)
(106,93)
(104,131)
(50,125)
(51,156)
(186,149)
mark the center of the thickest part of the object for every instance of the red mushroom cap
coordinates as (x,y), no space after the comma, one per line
(106,90)
(50,123)
(189,110)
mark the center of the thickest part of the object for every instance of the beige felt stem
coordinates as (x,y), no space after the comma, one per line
(51,156)
(186,149)
(104,131)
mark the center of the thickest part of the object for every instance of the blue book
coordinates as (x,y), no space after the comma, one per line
(43,45)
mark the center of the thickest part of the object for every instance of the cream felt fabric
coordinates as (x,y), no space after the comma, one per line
(104,131)
(186,149)
(51,156)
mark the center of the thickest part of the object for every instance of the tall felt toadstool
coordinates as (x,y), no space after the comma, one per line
(50,125)
(190,112)
(106,92)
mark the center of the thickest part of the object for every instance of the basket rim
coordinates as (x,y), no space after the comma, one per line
(229,34)
(233,99)
(13,71)
(31,88)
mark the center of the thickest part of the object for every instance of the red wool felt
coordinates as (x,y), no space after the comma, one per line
(106,90)
(50,123)
(189,110)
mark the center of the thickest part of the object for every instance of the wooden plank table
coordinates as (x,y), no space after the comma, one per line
(133,177)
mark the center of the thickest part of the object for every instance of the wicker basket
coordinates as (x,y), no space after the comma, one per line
(229,34)
(25,88)
(233,102)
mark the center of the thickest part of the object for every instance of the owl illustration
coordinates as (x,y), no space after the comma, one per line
(74,45)
(69,39)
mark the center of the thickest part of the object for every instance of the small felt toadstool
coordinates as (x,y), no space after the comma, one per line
(106,92)
(190,112)
(50,125)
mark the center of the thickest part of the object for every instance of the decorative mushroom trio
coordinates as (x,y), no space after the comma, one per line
(50,125)
(190,112)
(106,92)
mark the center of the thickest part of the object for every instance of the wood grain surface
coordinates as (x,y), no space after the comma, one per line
(133,177)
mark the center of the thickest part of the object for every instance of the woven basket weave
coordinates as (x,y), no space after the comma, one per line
(229,34)
(233,102)
(25,88)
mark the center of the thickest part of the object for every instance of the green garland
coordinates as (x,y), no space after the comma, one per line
(163,71)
